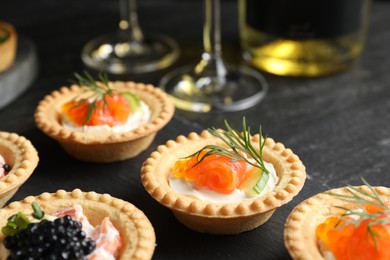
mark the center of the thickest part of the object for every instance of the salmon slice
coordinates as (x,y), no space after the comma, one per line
(369,239)
(113,110)
(108,240)
(216,172)
(106,236)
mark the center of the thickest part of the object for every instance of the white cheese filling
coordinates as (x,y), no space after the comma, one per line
(184,187)
(139,118)
(2,171)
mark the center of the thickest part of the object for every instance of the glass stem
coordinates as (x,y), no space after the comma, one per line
(212,63)
(129,21)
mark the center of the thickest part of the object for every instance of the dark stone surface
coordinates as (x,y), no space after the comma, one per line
(338,125)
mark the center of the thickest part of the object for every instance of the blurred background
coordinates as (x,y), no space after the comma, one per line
(337,124)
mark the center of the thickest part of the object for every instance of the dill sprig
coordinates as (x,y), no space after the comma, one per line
(359,196)
(94,92)
(98,91)
(239,143)
(240,148)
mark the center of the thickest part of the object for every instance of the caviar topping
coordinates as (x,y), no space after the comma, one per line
(58,239)
(67,234)
(6,167)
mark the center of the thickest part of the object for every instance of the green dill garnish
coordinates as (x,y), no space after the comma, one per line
(19,221)
(38,212)
(356,195)
(238,143)
(97,91)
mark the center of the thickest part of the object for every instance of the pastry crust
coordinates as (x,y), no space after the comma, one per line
(104,147)
(21,155)
(8,48)
(218,218)
(299,232)
(136,231)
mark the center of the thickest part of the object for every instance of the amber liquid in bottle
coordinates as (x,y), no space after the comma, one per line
(303,38)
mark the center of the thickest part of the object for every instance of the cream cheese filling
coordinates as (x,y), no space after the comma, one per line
(139,118)
(187,188)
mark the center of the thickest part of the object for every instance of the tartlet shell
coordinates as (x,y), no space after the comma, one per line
(218,218)
(8,48)
(300,227)
(137,233)
(104,147)
(23,158)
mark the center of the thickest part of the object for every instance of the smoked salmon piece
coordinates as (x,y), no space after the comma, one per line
(369,239)
(106,236)
(108,241)
(113,109)
(215,172)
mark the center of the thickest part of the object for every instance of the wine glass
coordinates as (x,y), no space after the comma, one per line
(211,85)
(129,50)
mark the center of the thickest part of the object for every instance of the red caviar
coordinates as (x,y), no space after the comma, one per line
(114,110)
(357,240)
(215,172)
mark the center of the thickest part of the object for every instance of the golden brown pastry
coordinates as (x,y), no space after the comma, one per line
(300,228)
(8,45)
(137,233)
(104,146)
(22,158)
(221,218)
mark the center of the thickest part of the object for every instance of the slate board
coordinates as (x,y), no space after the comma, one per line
(16,79)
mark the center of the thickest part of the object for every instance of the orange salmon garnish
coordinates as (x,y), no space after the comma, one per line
(354,242)
(215,172)
(114,110)
(223,169)
(100,104)
(360,234)
(107,238)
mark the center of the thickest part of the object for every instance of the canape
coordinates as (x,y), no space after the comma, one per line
(8,45)
(344,223)
(258,191)
(18,160)
(90,125)
(131,235)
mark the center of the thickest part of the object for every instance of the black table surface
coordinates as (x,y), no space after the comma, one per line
(338,125)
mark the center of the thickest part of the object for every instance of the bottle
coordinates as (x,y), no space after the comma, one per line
(304,38)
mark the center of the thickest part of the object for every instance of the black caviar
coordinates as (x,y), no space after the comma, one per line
(6,167)
(58,239)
